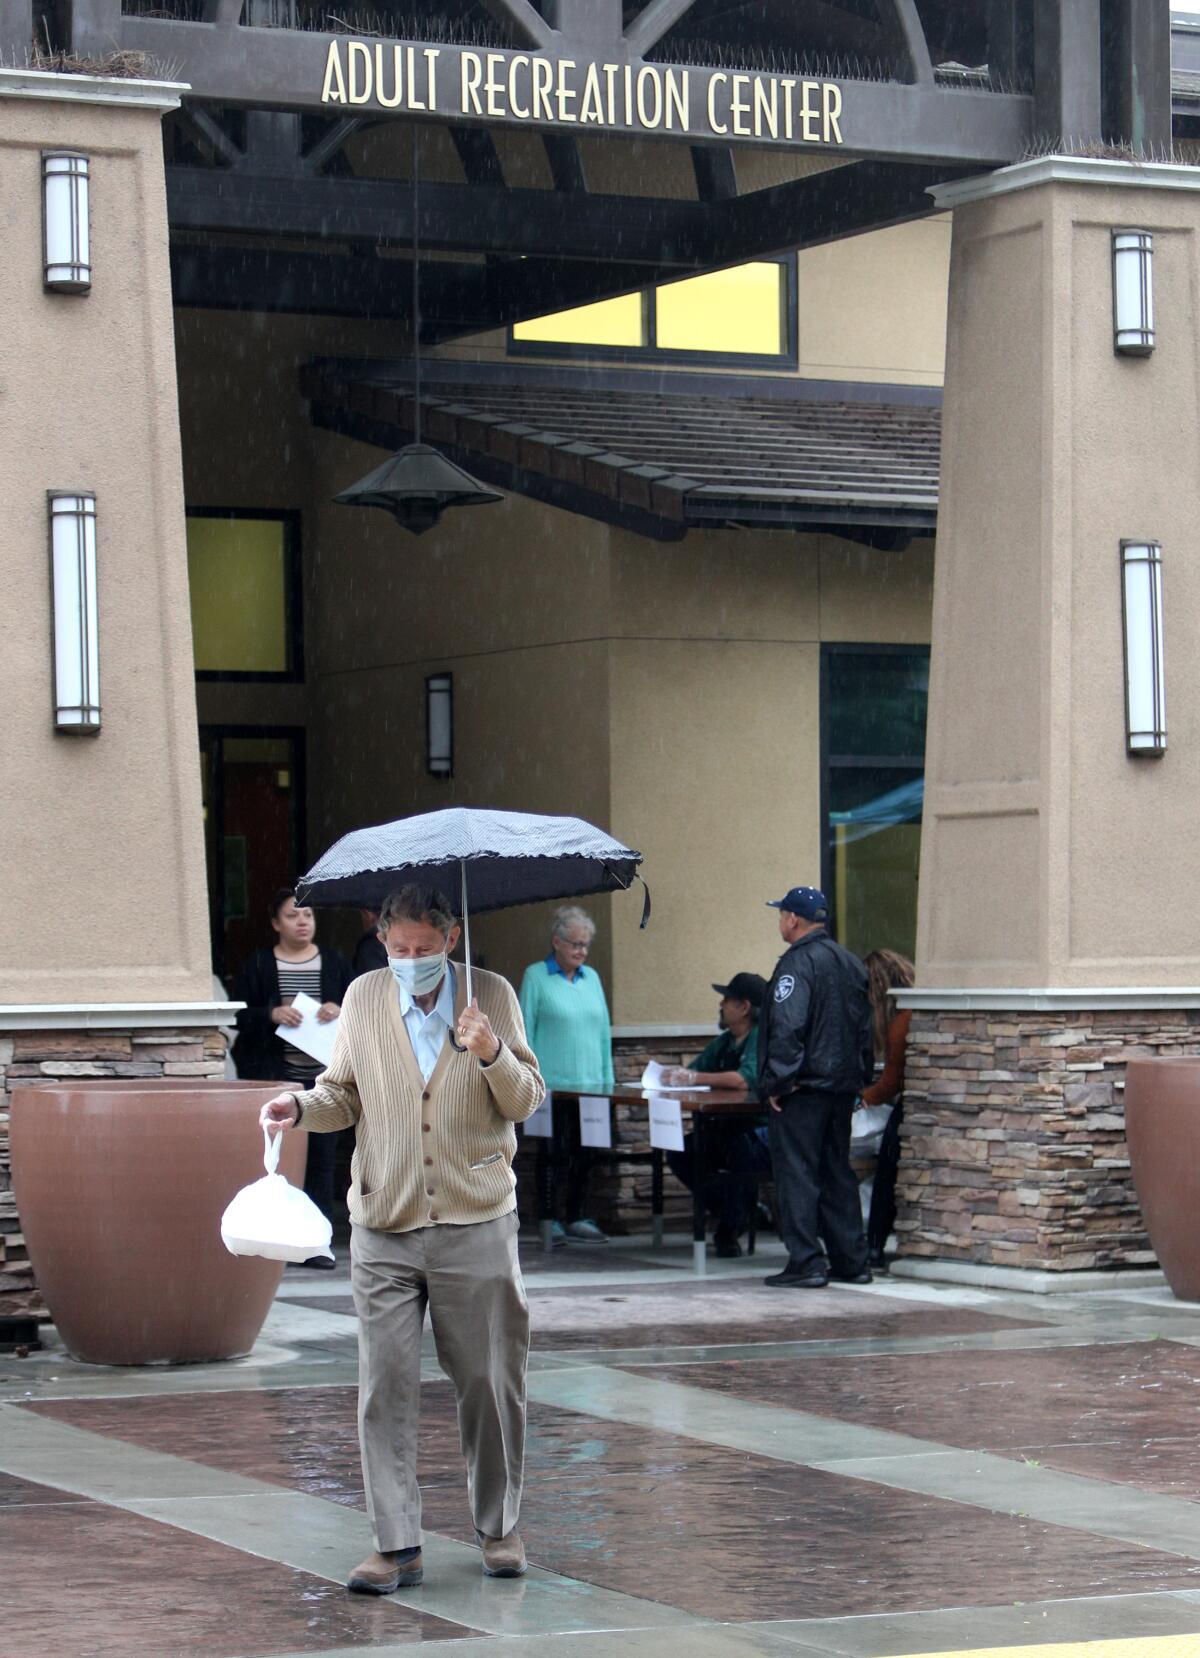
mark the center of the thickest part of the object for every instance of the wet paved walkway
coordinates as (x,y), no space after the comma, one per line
(714,1468)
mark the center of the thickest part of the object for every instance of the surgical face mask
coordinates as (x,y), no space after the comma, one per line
(418,974)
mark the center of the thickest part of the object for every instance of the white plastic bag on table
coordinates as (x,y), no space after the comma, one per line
(274,1218)
(866,1129)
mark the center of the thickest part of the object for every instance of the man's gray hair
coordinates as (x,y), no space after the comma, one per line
(417,903)
(570,915)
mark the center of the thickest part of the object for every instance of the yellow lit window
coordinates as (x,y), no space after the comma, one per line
(239,575)
(613,322)
(739,310)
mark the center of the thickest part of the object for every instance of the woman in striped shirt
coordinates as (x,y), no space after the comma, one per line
(269,983)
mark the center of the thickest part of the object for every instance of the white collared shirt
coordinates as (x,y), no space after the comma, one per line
(428,1031)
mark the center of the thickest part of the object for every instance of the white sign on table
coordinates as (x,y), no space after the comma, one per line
(541,1125)
(595,1121)
(311,1036)
(666,1123)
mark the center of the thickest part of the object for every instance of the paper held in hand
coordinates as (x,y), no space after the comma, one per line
(311,1037)
(652,1081)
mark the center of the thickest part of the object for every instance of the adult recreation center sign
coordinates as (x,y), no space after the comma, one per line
(540,90)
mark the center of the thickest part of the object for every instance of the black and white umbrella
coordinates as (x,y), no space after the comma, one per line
(496,859)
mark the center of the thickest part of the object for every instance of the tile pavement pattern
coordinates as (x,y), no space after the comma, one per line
(1014,1136)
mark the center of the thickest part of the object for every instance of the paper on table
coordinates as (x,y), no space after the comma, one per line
(541,1125)
(595,1121)
(652,1079)
(666,1123)
(311,1037)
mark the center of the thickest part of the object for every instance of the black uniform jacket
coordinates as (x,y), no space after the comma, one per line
(814,1033)
(258,1053)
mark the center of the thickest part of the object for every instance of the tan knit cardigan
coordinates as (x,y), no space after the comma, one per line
(426,1153)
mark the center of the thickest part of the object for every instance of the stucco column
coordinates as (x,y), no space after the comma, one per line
(105,965)
(1058,874)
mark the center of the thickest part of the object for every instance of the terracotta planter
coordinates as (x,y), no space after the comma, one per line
(1162,1126)
(120,1187)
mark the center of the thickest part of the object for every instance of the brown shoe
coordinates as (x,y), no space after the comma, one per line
(503,1556)
(383,1574)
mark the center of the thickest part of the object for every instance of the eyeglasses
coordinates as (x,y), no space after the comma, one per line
(574,944)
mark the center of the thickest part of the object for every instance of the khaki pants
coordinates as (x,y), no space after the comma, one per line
(470,1279)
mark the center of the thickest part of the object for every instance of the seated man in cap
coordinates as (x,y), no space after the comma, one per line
(738,1154)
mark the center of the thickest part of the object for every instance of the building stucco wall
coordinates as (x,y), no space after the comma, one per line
(1050,857)
(105,897)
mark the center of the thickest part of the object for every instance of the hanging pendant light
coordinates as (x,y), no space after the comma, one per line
(417,483)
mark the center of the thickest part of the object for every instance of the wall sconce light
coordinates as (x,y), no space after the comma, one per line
(1142,616)
(1133,292)
(66,241)
(439,725)
(76,618)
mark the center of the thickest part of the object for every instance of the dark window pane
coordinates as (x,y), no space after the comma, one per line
(875,849)
(877,703)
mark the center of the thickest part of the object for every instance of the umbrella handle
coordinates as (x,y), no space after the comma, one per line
(460,1047)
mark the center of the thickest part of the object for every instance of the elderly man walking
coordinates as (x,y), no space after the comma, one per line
(815,1052)
(434,1223)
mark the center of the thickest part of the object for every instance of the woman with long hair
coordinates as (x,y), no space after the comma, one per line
(887,971)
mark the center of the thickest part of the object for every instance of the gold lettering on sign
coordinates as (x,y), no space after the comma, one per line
(591,108)
(521,113)
(397,78)
(360,89)
(471,66)
(808,112)
(492,85)
(831,108)
(649,109)
(529,86)
(679,84)
(334,89)
(714,81)
(565,95)
(766,108)
(543,80)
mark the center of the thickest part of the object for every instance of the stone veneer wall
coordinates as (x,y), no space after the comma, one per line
(1014,1147)
(29,1056)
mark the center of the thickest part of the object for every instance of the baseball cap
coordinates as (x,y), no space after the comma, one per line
(744,987)
(806,902)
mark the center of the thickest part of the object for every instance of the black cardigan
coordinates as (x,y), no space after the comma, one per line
(258,1053)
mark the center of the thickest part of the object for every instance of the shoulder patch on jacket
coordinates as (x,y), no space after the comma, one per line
(784,988)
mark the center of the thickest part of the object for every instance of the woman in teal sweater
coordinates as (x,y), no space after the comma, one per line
(568,1028)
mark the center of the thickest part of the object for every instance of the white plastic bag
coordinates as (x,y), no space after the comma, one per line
(274,1218)
(866,1129)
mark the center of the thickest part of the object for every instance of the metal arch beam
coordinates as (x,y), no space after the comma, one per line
(652,23)
(566,161)
(716,173)
(212,133)
(322,152)
(478,154)
(903,23)
(1137,75)
(16,31)
(614,243)
(529,24)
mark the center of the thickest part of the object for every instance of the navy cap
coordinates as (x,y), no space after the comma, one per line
(805,902)
(744,987)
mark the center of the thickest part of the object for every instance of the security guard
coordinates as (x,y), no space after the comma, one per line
(815,1053)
